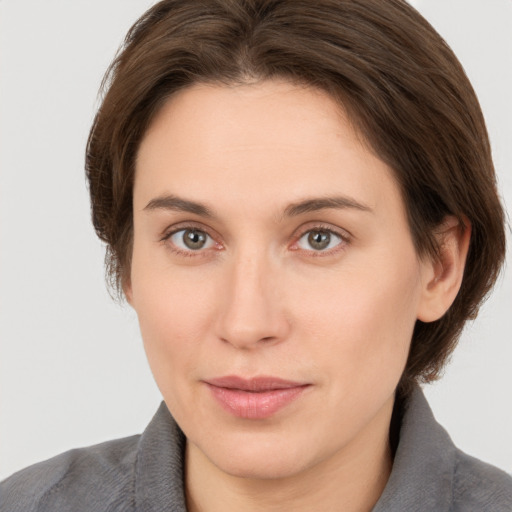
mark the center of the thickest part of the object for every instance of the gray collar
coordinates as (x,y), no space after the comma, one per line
(159,466)
(423,469)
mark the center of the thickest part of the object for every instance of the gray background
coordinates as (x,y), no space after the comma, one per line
(72,367)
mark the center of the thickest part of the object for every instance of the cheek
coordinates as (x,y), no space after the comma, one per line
(174,316)
(360,321)
(166,297)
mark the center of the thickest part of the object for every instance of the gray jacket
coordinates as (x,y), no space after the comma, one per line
(145,474)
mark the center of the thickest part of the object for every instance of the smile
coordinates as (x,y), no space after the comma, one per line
(256,398)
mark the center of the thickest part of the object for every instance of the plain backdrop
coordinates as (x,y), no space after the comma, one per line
(72,368)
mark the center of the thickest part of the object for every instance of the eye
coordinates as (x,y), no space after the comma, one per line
(191,239)
(319,240)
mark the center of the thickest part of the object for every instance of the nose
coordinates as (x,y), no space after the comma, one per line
(252,306)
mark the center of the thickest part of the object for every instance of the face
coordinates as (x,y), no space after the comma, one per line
(274,276)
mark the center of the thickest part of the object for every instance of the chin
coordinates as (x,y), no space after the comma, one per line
(261,459)
(261,468)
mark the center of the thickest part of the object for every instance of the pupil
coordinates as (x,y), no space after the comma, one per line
(319,239)
(194,239)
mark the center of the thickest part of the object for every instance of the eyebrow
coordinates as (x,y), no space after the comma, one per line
(171,202)
(175,203)
(323,203)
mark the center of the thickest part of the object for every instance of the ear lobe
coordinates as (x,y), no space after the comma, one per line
(442,276)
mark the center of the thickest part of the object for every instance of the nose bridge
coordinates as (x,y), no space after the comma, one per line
(252,307)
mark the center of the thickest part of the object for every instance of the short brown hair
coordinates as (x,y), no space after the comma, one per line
(401,85)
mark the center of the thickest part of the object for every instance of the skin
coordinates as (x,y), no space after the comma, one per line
(259,299)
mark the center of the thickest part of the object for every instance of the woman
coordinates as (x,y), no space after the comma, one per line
(299,202)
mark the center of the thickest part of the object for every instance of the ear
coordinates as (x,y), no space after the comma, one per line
(442,276)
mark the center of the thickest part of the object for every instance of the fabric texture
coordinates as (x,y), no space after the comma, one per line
(145,474)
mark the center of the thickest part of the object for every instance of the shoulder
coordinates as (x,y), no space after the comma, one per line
(142,472)
(432,475)
(480,486)
(95,478)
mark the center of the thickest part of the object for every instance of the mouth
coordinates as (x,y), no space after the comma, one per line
(256,398)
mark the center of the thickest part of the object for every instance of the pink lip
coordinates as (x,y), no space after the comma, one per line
(256,398)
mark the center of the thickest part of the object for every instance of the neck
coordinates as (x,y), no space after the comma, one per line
(352,480)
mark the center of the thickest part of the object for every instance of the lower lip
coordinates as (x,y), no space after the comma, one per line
(255,405)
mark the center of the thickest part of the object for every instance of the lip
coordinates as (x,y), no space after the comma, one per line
(256,398)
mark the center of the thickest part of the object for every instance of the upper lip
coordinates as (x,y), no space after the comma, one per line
(255,384)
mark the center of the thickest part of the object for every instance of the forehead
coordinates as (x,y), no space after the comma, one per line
(231,118)
(273,140)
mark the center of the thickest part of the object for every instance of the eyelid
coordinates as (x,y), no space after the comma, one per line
(343,234)
(180,226)
(189,225)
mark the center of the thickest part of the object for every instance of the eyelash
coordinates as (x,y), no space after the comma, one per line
(188,253)
(343,236)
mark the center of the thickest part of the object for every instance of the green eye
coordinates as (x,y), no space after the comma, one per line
(191,239)
(319,240)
